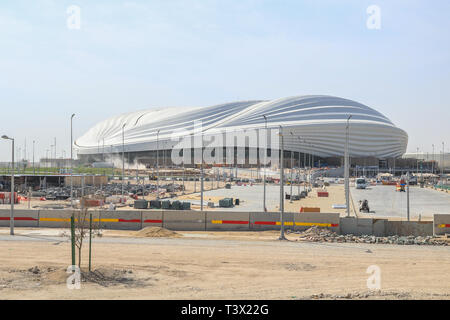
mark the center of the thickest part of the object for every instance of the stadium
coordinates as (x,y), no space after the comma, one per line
(310,125)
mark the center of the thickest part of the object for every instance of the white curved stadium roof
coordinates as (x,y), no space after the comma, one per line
(318,119)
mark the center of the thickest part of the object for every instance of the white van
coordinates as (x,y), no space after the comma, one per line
(361,183)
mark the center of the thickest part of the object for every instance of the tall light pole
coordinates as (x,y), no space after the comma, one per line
(123,159)
(265,162)
(432,163)
(157,164)
(346,169)
(443,159)
(282,186)
(407,195)
(34,169)
(292,168)
(417,162)
(201,178)
(12,197)
(71,160)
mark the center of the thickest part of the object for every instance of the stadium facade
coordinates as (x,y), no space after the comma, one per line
(310,125)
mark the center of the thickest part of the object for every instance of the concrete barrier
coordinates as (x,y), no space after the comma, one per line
(408,228)
(54,218)
(152,218)
(306,220)
(270,220)
(379,227)
(356,226)
(182,220)
(227,221)
(441,224)
(22,218)
(120,220)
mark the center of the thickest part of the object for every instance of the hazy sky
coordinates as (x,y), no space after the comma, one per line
(131,55)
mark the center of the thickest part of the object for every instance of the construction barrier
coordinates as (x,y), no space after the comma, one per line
(184,220)
(22,218)
(441,224)
(152,218)
(306,220)
(120,220)
(322,193)
(309,209)
(227,221)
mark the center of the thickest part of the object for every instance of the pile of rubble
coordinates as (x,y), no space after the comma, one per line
(317,234)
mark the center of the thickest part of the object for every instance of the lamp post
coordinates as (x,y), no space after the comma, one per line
(12,197)
(71,159)
(292,168)
(34,169)
(346,169)
(265,163)
(201,178)
(123,159)
(157,163)
(282,186)
(432,162)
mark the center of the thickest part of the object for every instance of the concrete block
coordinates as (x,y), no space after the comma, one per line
(22,218)
(379,227)
(228,221)
(182,220)
(364,226)
(441,224)
(54,218)
(152,218)
(270,220)
(120,220)
(409,228)
(306,220)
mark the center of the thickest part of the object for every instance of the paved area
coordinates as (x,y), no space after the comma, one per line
(251,197)
(386,202)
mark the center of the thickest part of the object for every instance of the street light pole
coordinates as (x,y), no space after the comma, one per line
(34,170)
(292,168)
(201,178)
(265,163)
(407,196)
(157,164)
(282,237)
(123,159)
(71,160)
(346,170)
(12,197)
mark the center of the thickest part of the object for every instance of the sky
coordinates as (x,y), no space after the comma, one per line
(133,55)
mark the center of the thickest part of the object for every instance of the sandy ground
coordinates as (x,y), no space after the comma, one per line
(219,265)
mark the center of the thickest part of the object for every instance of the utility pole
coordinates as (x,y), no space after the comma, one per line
(282,237)
(346,169)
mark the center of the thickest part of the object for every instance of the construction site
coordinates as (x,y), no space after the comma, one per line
(155,240)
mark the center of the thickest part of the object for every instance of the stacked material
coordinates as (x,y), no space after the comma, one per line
(226,203)
(317,234)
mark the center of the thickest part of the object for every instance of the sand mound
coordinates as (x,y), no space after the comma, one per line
(157,232)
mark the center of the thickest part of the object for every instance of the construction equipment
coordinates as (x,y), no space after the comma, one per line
(401,184)
(364,206)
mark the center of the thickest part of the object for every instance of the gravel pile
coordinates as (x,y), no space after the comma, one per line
(317,234)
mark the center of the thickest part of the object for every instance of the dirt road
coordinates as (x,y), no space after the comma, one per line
(214,265)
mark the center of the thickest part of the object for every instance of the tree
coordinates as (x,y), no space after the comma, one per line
(82,228)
